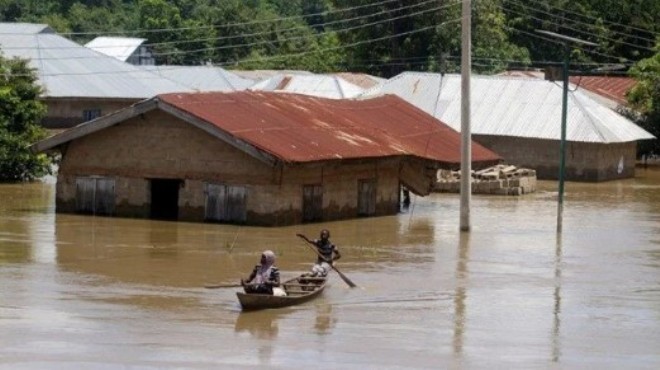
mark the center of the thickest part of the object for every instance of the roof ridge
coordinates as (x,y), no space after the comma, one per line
(589,117)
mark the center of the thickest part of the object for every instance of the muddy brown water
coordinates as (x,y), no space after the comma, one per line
(94,292)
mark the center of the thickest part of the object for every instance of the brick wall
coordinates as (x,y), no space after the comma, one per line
(65,113)
(584,161)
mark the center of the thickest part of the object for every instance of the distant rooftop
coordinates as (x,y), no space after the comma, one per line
(202,78)
(513,106)
(323,86)
(257,75)
(117,47)
(68,70)
(612,88)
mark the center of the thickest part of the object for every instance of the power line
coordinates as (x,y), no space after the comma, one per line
(577,21)
(268,58)
(246,35)
(344,46)
(273,20)
(576,30)
(317,35)
(250,44)
(380,63)
(575,47)
(595,18)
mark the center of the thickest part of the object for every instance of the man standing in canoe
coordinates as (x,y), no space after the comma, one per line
(264,276)
(328,253)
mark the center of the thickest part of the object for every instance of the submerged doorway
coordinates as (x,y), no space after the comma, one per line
(164,199)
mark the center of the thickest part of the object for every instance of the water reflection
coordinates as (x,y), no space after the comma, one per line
(460,294)
(195,254)
(325,320)
(556,344)
(262,326)
(164,240)
(26,223)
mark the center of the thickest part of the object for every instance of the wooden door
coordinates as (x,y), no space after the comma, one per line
(312,203)
(366,197)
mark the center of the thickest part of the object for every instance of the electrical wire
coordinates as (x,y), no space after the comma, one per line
(273,20)
(560,25)
(306,37)
(545,3)
(358,43)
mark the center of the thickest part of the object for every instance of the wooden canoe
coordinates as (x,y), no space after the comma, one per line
(298,290)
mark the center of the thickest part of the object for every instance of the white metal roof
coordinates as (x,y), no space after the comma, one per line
(24,28)
(117,47)
(67,69)
(362,80)
(202,78)
(257,75)
(509,106)
(323,86)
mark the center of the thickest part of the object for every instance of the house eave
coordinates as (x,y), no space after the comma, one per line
(92,126)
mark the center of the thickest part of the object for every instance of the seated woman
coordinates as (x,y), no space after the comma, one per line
(264,276)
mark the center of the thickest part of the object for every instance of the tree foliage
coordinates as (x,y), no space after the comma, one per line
(20,114)
(644,98)
(382,37)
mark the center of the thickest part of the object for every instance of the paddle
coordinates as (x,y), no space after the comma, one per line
(218,286)
(341,275)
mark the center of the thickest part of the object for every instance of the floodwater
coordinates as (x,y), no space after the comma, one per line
(82,292)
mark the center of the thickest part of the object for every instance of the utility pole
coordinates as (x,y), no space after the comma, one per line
(566,40)
(466,135)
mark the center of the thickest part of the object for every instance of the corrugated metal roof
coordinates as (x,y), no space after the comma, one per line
(117,47)
(362,80)
(257,75)
(508,106)
(68,70)
(24,28)
(524,74)
(202,78)
(297,128)
(613,88)
(323,86)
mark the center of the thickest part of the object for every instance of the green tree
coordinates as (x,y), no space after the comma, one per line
(175,40)
(20,114)
(395,36)
(644,98)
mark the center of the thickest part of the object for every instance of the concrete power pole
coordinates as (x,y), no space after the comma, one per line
(466,135)
(566,41)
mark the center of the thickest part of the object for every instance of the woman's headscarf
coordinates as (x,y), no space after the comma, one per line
(263,275)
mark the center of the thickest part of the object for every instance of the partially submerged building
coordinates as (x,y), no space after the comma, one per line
(520,119)
(253,157)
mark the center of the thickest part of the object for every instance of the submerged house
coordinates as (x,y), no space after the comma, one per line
(258,158)
(520,119)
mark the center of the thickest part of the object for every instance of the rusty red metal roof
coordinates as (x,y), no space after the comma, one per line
(298,128)
(613,88)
